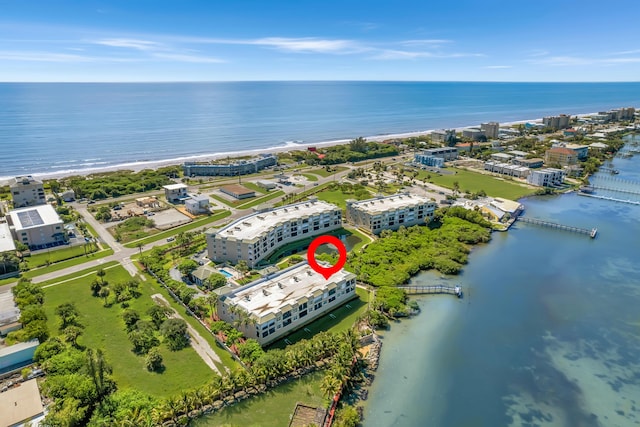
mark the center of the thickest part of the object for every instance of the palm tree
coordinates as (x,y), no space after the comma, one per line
(212,300)
(139,245)
(101,273)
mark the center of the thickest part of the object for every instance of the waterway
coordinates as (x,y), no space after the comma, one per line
(548,333)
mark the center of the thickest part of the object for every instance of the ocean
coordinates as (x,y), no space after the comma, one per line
(48,128)
(547,334)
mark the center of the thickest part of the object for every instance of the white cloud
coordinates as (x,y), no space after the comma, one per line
(306,44)
(393,54)
(188,58)
(34,56)
(144,45)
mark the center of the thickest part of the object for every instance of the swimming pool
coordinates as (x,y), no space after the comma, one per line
(225,273)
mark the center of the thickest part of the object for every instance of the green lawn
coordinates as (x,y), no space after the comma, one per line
(310,177)
(323,172)
(300,246)
(255,187)
(260,200)
(337,197)
(474,182)
(67,263)
(61,253)
(104,329)
(304,194)
(187,227)
(270,409)
(345,318)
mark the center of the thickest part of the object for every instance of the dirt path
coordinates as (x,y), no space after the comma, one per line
(199,344)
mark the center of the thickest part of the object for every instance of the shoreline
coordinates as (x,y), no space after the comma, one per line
(289,146)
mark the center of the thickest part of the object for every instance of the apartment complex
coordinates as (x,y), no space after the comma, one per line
(560,156)
(557,122)
(277,305)
(27,191)
(443,135)
(38,227)
(254,237)
(491,129)
(474,134)
(548,177)
(240,167)
(530,163)
(390,212)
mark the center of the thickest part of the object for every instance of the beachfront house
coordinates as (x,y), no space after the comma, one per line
(175,193)
(26,191)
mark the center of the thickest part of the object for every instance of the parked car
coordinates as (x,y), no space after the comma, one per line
(171,239)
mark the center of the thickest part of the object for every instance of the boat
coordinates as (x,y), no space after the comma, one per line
(594,232)
(458,291)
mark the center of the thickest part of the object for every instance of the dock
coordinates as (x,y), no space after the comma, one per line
(612,199)
(437,289)
(591,233)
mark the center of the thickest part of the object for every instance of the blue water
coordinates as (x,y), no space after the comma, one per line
(63,127)
(548,333)
(225,273)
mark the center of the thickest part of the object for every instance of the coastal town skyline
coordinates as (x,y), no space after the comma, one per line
(122,41)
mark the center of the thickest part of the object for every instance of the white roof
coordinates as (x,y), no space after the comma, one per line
(174,186)
(6,240)
(390,203)
(518,153)
(33,217)
(269,295)
(9,313)
(598,145)
(197,199)
(501,155)
(254,225)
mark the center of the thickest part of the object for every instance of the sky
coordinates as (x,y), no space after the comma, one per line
(413,40)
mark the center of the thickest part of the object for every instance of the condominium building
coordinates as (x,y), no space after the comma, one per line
(548,177)
(560,156)
(474,134)
(254,237)
(276,305)
(240,167)
(530,163)
(491,129)
(38,227)
(389,213)
(557,122)
(6,239)
(27,191)
(443,135)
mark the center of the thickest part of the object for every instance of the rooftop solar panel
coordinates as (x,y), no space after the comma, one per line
(30,218)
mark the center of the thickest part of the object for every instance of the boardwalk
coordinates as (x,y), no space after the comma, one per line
(612,199)
(437,289)
(617,190)
(591,233)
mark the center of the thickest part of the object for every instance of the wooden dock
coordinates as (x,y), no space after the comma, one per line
(612,199)
(437,289)
(591,233)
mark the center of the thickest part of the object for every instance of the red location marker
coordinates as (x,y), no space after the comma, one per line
(311,255)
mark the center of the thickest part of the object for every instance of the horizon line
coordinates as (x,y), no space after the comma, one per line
(309,81)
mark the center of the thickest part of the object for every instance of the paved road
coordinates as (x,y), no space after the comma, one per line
(199,344)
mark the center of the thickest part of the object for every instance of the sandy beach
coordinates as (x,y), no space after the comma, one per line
(292,146)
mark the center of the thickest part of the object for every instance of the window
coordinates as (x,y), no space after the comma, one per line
(332,299)
(286,322)
(302,313)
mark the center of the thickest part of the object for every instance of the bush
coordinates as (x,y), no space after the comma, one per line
(153,360)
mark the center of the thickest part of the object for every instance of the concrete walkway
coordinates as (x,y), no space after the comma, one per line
(199,344)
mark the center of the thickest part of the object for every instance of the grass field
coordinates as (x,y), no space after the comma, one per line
(337,197)
(310,177)
(61,253)
(474,182)
(255,187)
(270,409)
(104,329)
(67,263)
